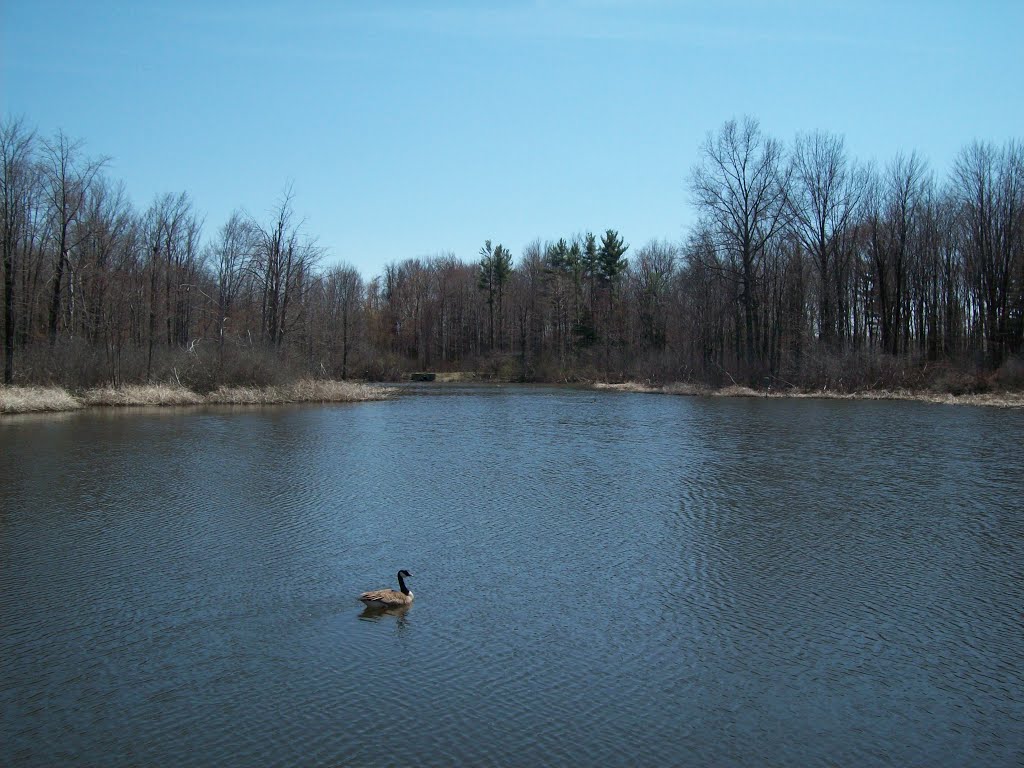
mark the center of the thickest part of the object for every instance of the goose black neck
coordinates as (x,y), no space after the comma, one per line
(401,585)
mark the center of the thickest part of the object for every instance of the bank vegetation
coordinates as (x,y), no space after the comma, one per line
(806,272)
(36,399)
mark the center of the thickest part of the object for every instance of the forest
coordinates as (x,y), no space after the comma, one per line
(806,269)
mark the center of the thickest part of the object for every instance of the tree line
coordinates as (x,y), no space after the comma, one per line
(805,268)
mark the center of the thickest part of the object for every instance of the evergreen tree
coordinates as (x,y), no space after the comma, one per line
(590,257)
(495,268)
(611,264)
(610,260)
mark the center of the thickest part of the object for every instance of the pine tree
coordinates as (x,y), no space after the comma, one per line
(495,268)
(611,264)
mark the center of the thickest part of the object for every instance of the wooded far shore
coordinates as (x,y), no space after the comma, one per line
(806,272)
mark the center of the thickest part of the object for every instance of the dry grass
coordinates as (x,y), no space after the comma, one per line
(628,386)
(735,390)
(455,377)
(304,391)
(679,388)
(989,399)
(242,396)
(141,395)
(53,399)
(318,391)
(36,400)
(994,400)
(41,399)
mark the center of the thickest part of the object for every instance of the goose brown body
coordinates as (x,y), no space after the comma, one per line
(390,598)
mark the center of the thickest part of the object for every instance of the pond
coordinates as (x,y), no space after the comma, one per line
(601,579)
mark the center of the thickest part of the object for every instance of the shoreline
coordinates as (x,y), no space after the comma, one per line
(19,400)
(27,400)
(989,399)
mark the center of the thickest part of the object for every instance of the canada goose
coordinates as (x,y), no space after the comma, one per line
(389,598)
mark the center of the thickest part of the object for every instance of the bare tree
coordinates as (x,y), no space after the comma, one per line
(652,272)
(16,148)
(232,255)
(450,274)
(68,179)
(892,207)
(705,304)
(989,189)
(171,230)
(285,258)
(345,294)
(107,217)
(741,190)
(125,297)
(527,282)
(824,198)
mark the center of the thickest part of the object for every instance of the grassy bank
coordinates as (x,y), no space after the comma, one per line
(43,399)
(993,399)
(54,399)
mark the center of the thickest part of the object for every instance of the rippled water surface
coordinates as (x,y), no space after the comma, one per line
(600,580)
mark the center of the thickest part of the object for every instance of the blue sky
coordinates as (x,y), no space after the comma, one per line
(411,128)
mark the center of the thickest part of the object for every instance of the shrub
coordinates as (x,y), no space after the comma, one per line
(1010,374)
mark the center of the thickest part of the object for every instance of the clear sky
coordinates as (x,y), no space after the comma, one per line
(411,128)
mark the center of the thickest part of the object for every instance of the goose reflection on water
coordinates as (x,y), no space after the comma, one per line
(377,612)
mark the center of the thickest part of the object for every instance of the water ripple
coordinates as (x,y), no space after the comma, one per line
(601,580)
